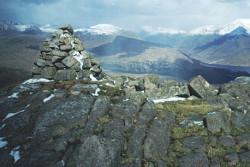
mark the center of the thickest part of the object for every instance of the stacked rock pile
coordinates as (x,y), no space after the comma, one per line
(63,57)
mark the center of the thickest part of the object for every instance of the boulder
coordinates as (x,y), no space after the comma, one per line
(135,143)
(232,159)
(194,160)
(86,64)
(40,62)
(240,119)
(173,88)
(215,161)
(67,27)
(65,75)
(195,143)
(60,65)
(227,141)
(48,72)
(158,136)
(78,47)
(65,47)
(216,121)
(243,139)
(69,61)
(36,70)
(245,157)
(98,151)
(59,53)
(199,87)
(46,48)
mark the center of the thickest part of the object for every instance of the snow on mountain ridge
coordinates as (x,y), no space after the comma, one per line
(205,30)
(245,23)
(101,29)
(22,27)
(48,28)
(161,30)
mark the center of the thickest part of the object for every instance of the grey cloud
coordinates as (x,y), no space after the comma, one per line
(131,14)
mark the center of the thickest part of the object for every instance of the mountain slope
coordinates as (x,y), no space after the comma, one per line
(136,56)
(230,49)
(19,51)
(101,34)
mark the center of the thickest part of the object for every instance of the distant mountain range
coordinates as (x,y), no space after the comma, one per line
(205,30)
(168,54)
(226,45)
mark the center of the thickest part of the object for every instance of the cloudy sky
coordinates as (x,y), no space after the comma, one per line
(130,14)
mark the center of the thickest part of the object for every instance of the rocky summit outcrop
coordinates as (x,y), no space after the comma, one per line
(123,121)
(63,57)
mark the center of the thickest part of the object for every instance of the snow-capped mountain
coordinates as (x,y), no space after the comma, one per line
(9,27)
(222,30)
(205,30)
(48,28)
(160,30)
(101,29)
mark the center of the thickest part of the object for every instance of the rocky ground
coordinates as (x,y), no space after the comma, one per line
(125,122)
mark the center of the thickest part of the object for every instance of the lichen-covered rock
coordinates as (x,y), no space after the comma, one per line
(227,141)
(197,160)
(48,72)
(245,157)
(158,136)
(199,87)
(195,143)
(65,75)
(240,119)
(243,139)
(215,161)
(232,159)
(98,151)
(216,121)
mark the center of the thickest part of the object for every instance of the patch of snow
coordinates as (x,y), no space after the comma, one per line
(214,112)
(108,84)
(47,28)
(79,58)
(65,35)
(15,153)
(12,114)
(245,23)
(96,92)
(2,126)
(161,30)
(27,106)
(14,96)
(92,77)
(217,61)
(169,99)
(2,143)
(34,80)
(200,123)
(48,98)
(21,27)
(101,29)
(205,30)
(190,123)
(72,43)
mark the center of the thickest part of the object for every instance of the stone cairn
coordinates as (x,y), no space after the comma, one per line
(63,58)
